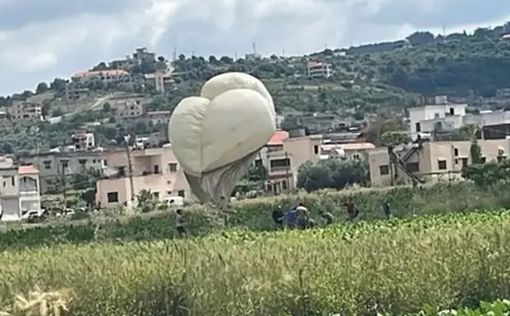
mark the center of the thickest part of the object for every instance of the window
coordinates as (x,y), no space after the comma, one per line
(280,164)
(172,167)
(464,162)
(65,164)
(316,149)
(122,171)
(156,169)
(13,181)
(181,193)
(456,152)
(82,162)
(452,111)
(113,197)
(105,162)
(418,127)
(47,164)
(156,195)
(483,160)
(384,170)
(356,157)
(284,185)
(442,165)
(436,115)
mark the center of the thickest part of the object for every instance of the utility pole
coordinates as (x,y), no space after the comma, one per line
(130,167)
(64,185)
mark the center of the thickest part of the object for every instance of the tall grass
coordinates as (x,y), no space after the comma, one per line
(256,214)
(393,266)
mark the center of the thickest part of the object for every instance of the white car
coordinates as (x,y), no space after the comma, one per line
(32,213)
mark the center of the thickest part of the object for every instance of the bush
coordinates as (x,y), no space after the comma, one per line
(332,173)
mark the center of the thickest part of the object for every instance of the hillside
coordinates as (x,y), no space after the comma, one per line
(370,79)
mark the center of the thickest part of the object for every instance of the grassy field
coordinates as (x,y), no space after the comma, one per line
(255,215)
(394,267)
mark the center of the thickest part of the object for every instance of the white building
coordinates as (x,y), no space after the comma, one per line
(319,70)
(19,190)
(439,115)
(83,141)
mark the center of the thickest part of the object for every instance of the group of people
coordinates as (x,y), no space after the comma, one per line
(298,216)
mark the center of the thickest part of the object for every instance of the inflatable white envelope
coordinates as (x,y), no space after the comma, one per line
(216,136)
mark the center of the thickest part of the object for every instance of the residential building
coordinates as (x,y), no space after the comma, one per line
(25,112)
(53,166)
(321,122)
(429,161)
(142,55)
(75,91)
(282,157)
(3,114)
(83,141)
(160,79)
(106,76)
(19,190)
(319,69)
(155,169)
(158,117)
(435,114)
(253,57)
(128,107)
(348,151)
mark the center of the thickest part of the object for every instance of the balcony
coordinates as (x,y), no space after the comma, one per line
(280,170)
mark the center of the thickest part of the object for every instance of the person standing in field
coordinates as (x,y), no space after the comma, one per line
(387,209)
(303,220)
(352,210)
(278,217)
(180,223)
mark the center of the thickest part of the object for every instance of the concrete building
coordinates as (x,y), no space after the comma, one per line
(436,113)
(106,76)
(348,151)
(157,117)
(75,92)
(19,190)
(283,156)
(52,166)
(142,55)
(83,141)
(430,161)
(128,107)
(319,70)
(161,79)
(154,169)
(25,112)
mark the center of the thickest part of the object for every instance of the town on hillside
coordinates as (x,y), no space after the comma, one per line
(99,140)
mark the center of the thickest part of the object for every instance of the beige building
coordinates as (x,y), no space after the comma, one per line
(431,161)
(27,112)
(105,76)
(128,107)
(283,156)
(155,169)
(158,117)
(319,69)
(19,190)
(52,166)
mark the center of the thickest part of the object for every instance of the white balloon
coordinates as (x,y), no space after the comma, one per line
(232,119)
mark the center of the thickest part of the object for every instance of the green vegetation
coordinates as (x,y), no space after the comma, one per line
(394,267)
(255,215)
(332,173)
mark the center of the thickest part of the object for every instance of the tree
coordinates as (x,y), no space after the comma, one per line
(475,152)
(146,201)
(107,108)
(332,173)
(161,59)
(99,67)
(392,138)
(420,38)
(213,60)
(226,60)
(58,84)
(488,174)
(41,88)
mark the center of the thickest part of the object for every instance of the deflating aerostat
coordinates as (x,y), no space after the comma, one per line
(216,136)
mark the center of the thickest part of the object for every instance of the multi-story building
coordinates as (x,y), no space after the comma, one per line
(436,114)
(25,112)
(105,76)
(19,190)
(142,55)
(157,117)
(348,151)
(83,141)
(128,107)
(75,91)
(319,69)
(154,169)
(53,166)
(429,161)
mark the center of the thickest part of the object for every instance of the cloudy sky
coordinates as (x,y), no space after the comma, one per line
(43,39)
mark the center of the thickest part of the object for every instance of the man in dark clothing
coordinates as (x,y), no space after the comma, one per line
(386,209)
(351,208)
(278,217)
(180,223)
